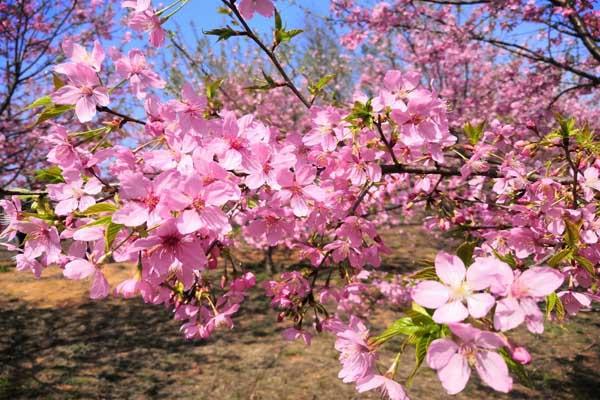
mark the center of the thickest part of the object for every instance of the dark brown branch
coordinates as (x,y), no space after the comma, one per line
(250,33)
(124,117)
(452,171)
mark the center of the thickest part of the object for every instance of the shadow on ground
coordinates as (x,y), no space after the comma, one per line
(127,350)
(57,344)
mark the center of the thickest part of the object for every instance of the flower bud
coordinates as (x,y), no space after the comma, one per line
(520,355)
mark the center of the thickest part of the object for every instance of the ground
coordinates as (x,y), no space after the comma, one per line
(55,343)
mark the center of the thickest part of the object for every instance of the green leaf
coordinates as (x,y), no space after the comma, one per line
(421,347)
(285,36)
(57,81)
(507,258)
(563,255)
(49,175)
(212,87)
(554,303)
(268,84)
(53,111)
(100,208)
(100,221)
(361,114)
(465,252)
(91,133)
(320,85)
(403,326)
(516,368)
(110,234)
(425,274)
(420,310)
(586,264)
(43,101)
(550,304)
(474,132)
(224,33)
(572,233)
(278,21)
(282,35)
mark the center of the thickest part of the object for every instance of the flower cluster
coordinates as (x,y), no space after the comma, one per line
(194,180)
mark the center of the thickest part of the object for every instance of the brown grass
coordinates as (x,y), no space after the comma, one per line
(55,343)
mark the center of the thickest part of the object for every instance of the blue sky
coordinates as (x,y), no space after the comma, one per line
(205,16)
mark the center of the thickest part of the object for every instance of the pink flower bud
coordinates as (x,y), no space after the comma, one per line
(521,355)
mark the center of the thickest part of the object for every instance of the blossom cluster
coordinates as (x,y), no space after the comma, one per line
(203,180)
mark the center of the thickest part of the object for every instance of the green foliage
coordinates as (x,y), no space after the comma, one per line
(281,35)
(361,114)
(51,174)
(111,232)
(419,330)
(516,368)
(224,33)
(267,84)
(553,303)
(474,132)
(465,252)
(43,101)
(53,111)
(318,87)
(100,208)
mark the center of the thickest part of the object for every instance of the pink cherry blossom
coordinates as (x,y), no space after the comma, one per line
(299,189)
(205,204)
(75,195)
(167,246)
(82,90)
(389,387)
(522,294)
(357,358)
(453,359)
(294,334)
(148,21)
(249,7)
(135,69)
(448,297)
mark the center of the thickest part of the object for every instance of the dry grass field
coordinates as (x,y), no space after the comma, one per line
(55,343)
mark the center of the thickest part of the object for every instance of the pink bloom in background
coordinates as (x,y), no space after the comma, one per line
(137,5)
(223,315)
(205,204)
(42,239)
(448,297)
(145,197)
(79,54)
(294,334)
(135,68)
(82,90)
(167,246)
(522,292)
(299,189)
(131,287)
(574,301)
(591,182)
(249,7)
(389,387)
(357,358)
(328,130)
(190,109)
(144,19)
(80,269)
(74,195)
(265,164)
(453,360)
(26,262)
(12,214)
(273,224)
